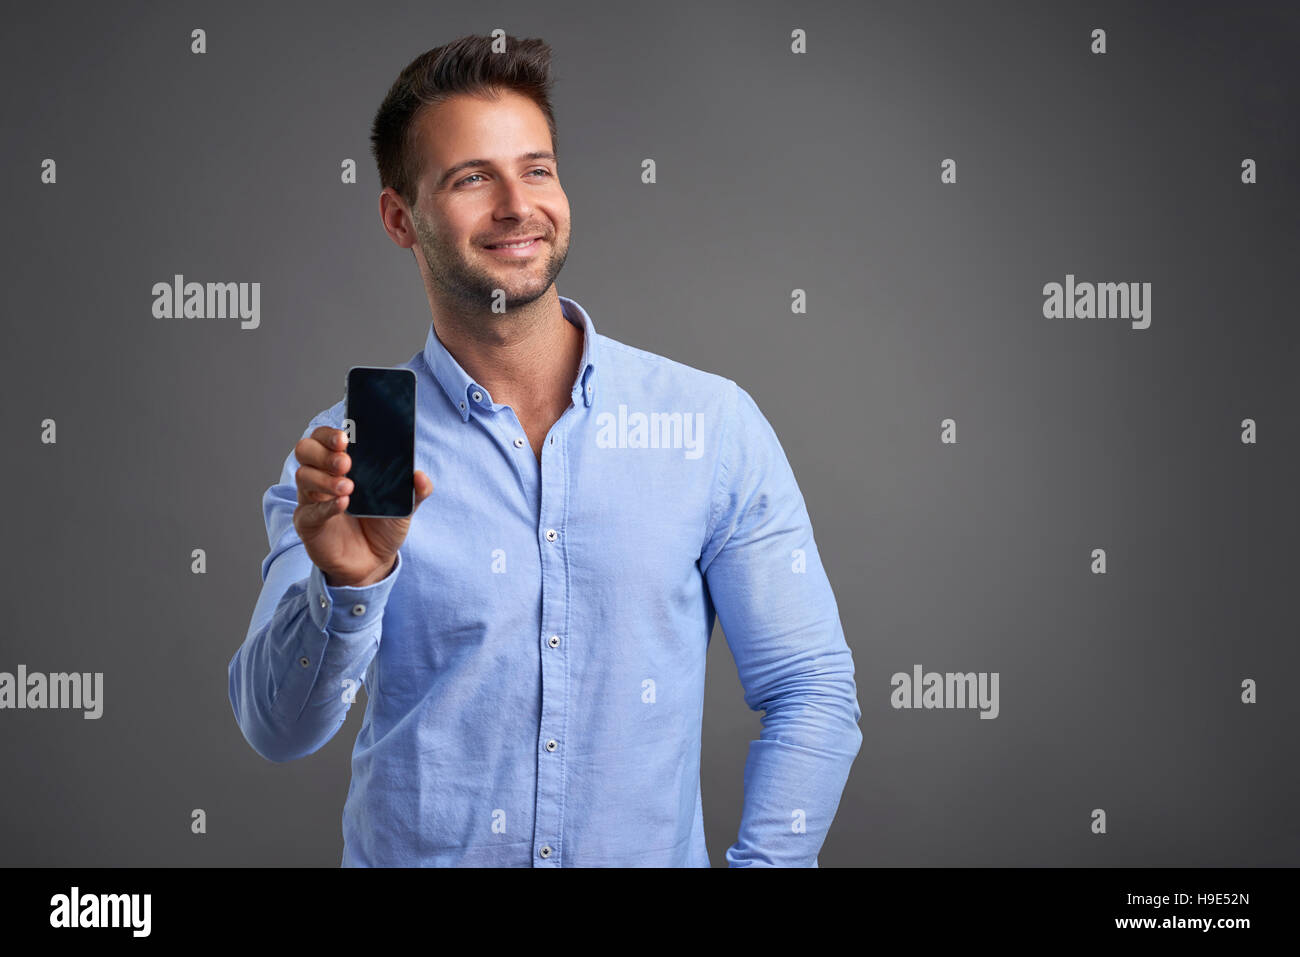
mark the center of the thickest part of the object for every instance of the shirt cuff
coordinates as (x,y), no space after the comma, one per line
(345,608)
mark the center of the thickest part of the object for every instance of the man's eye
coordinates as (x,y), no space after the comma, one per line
(541,169)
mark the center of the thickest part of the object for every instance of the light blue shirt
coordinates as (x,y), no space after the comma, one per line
(534,663)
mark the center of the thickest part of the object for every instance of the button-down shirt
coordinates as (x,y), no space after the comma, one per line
(534,662)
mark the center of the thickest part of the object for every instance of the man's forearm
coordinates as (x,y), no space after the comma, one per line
(294,678)
(792,790)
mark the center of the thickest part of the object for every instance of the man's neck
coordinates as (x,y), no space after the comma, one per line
(526,359)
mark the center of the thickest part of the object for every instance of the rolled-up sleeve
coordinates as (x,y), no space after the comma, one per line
(781,622)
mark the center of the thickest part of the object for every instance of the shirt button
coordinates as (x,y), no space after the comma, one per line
(478,396)
(551,535)
(554,641)
(323,603)
(304,661)
(551,745)
(462,405)
(358,609)
(545,851)
(519,443)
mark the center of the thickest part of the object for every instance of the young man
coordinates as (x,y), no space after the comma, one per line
(533,638)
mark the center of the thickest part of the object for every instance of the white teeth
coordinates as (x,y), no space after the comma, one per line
(527,242)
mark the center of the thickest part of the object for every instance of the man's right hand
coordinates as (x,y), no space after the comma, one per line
(348,550)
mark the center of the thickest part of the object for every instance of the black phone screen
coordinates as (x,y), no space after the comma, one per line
(381,407)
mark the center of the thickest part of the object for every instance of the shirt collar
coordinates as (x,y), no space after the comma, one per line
(461,389)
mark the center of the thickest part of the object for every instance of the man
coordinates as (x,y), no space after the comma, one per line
(533,639)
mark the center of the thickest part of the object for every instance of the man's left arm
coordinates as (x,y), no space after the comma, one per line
(781,622)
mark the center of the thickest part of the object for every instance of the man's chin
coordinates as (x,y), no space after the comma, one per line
(517,295)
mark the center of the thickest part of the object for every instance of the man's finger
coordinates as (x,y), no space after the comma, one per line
(322,449)
(314,514)
(310,479)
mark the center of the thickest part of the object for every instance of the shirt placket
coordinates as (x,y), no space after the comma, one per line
(555,643)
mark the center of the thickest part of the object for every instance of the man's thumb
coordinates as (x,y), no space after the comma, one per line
(423,487)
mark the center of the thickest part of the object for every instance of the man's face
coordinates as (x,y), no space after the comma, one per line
(511,196)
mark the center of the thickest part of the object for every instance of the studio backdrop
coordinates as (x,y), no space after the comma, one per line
(1012,282)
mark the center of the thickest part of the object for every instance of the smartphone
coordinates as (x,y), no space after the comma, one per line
(381,441)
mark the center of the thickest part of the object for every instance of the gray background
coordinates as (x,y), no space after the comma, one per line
(776,171)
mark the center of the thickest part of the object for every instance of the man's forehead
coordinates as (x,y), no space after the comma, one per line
(441,159)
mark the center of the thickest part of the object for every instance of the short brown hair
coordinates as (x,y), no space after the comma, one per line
(467,65)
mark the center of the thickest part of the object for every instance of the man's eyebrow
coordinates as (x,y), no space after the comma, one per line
(452,171)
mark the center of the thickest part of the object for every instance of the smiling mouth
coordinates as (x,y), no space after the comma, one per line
(518,244)
(521,251)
